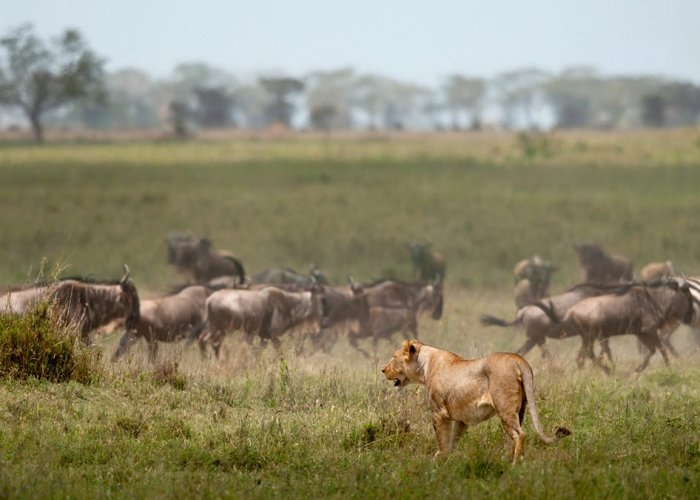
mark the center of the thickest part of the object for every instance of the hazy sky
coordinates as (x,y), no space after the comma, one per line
(419,41)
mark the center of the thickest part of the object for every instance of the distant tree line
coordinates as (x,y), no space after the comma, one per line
(64,84)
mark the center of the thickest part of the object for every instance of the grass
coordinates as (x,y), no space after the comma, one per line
(320,425)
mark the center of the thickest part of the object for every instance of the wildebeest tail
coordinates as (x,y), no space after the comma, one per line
(239,268)
(548,309)
(488,320)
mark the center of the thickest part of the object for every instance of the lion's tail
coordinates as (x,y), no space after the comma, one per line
(529,386)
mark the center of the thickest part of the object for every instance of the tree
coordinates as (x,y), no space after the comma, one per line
(213,107)
(280,107)
(323,116)
(464,95)
(37,77)
(653,110)
(520,91)
(331,89)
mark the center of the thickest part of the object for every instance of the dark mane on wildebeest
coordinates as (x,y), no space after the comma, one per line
(81,303)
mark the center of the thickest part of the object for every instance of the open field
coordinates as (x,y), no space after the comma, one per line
(329,425)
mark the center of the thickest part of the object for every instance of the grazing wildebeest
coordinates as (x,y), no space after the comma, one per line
(286,276)
(428,266)
(531,280)
(199,262)
(396,306)
(598,266)
(82,304)
(542,320)
(166,319)
(642,310)
(265,313)
(656,270)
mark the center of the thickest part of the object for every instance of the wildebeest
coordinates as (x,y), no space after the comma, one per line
(166,319)
(656,270)
(395,306)
(598,266)
(542,320)
(199,262)
(345,306)
(642,310)
(265,313)
(286,276)
(428,266)
(82,304)
(531,280)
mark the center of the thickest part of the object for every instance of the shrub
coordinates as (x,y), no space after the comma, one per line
(32,345)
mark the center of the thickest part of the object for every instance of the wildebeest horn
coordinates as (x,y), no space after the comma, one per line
(126,274)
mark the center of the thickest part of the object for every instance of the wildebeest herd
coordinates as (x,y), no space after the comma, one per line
(608,302)
(220,298)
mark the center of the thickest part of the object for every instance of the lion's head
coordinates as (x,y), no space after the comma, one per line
(403,368)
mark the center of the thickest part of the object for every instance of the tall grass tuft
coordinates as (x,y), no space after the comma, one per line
(32,345)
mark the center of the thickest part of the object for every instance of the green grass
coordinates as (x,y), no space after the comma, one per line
(329,425)
(97,206)
(343,435)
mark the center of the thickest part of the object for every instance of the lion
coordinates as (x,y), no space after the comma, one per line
(463,392)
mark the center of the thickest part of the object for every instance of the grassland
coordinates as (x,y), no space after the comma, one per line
(327,425)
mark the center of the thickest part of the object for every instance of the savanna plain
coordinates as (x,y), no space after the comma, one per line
(308,424)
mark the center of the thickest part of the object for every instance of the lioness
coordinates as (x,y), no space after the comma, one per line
(464,392)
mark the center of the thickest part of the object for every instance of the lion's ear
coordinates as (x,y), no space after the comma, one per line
(406,347)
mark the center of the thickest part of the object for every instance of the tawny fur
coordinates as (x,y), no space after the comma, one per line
(463,392)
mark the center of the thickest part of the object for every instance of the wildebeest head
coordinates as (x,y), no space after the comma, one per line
(589,254)
(182,249)
(417,250)
(438,297)
(430,299)
(129,300)
(682,286)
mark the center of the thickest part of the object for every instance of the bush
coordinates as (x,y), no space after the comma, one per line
(32,345)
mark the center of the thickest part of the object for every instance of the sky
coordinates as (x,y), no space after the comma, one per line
(417,41)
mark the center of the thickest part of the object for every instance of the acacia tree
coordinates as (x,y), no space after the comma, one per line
(38,77)
(280,107)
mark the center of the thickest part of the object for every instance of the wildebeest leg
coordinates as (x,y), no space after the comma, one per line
(598,360)
(605,350)
(543,349)
(202,341)
(127,340)
(529,344)
(353,342)
(152,350)
(325,340)
(583,351)
(651,342)
(216,340)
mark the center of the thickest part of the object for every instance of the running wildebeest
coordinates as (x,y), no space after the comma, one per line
(82,304)
(542,320)
(597,266)
(641,310)
(531,280)
(344,306)
(428,266)
(267,313)
(286,276)
(199,262)
(396,307)
(656,270)
(166,319)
